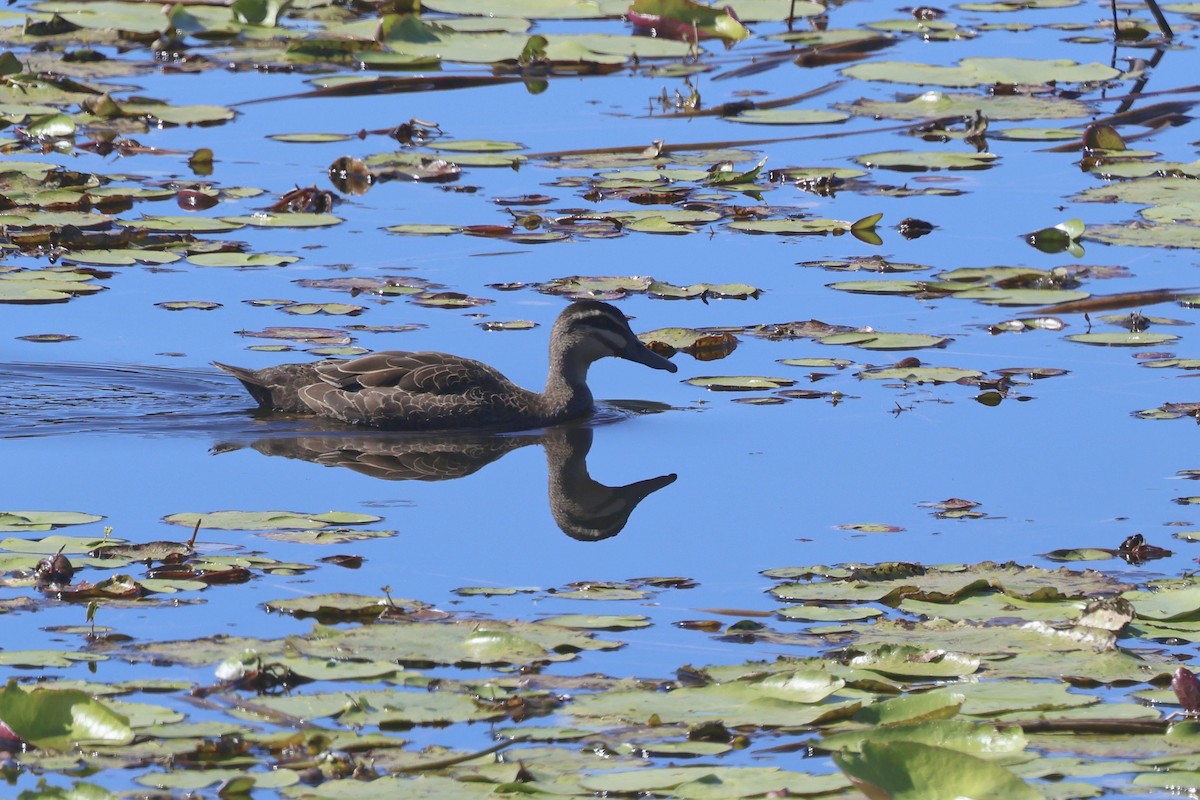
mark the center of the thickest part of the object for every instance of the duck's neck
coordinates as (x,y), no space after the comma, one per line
(567,394)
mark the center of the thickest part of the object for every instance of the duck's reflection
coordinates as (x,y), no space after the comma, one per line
(583,508)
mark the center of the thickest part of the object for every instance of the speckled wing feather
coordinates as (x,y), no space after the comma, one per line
(418,373)
(416,391)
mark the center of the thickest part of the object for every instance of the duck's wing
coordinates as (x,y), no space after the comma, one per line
(420,373)
(415,391)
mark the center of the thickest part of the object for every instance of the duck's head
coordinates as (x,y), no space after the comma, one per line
(590,330)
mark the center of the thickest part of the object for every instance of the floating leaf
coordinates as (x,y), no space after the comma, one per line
(60,719)
(738,291)
(914,161)
(334,309)
(241,260)
(449,300)
(1123,338)
(984,72)
(911,770)
(738,383)
(49,338)
(184,305)
(43,520)
(310,138)
(1062,237)
(875,340)
(686,19)
(267,520)
(290,220)
(324,335)
(513,325)
(784,116)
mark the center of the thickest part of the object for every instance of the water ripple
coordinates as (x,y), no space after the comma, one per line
(56,399)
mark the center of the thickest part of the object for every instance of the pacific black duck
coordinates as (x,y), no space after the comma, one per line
(401,390)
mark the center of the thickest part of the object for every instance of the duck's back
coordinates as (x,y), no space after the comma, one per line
(418,391)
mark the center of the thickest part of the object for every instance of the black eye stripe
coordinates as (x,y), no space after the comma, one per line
(604,322)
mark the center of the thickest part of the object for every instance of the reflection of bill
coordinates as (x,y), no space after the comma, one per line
(582,508)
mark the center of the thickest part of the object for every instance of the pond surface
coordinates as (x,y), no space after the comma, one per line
(672,501)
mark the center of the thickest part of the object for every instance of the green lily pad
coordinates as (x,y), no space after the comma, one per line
(923,161)
(785,116)
(808,612)
(333,309)
(600,622)
(1020,297)
(911,770)
(739,291)
(880,287)
(184,305)
(1123,338)
(12,521)
(60,719)
(310,138)
(330,608)
(415,229)
(739,383)
(710,781)
(267,520)
(983,72)
(934,104)
(47,285)
(241,260)
(877,340)
(300,334)
(49,338)
(291,220)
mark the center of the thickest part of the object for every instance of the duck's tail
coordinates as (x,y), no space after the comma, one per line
(253,383)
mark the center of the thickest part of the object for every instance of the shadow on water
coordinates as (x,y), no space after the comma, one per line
(56,399)
(583,508)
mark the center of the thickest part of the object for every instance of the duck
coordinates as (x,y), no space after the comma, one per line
(426,391)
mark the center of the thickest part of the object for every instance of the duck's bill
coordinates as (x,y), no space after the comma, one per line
(636,351)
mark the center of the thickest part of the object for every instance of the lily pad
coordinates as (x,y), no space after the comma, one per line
(11,521)
(923,161)
(984,72)
(739,383)
(784,116)
(911,770)
(877,340)
(267,520)
(1123,338)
